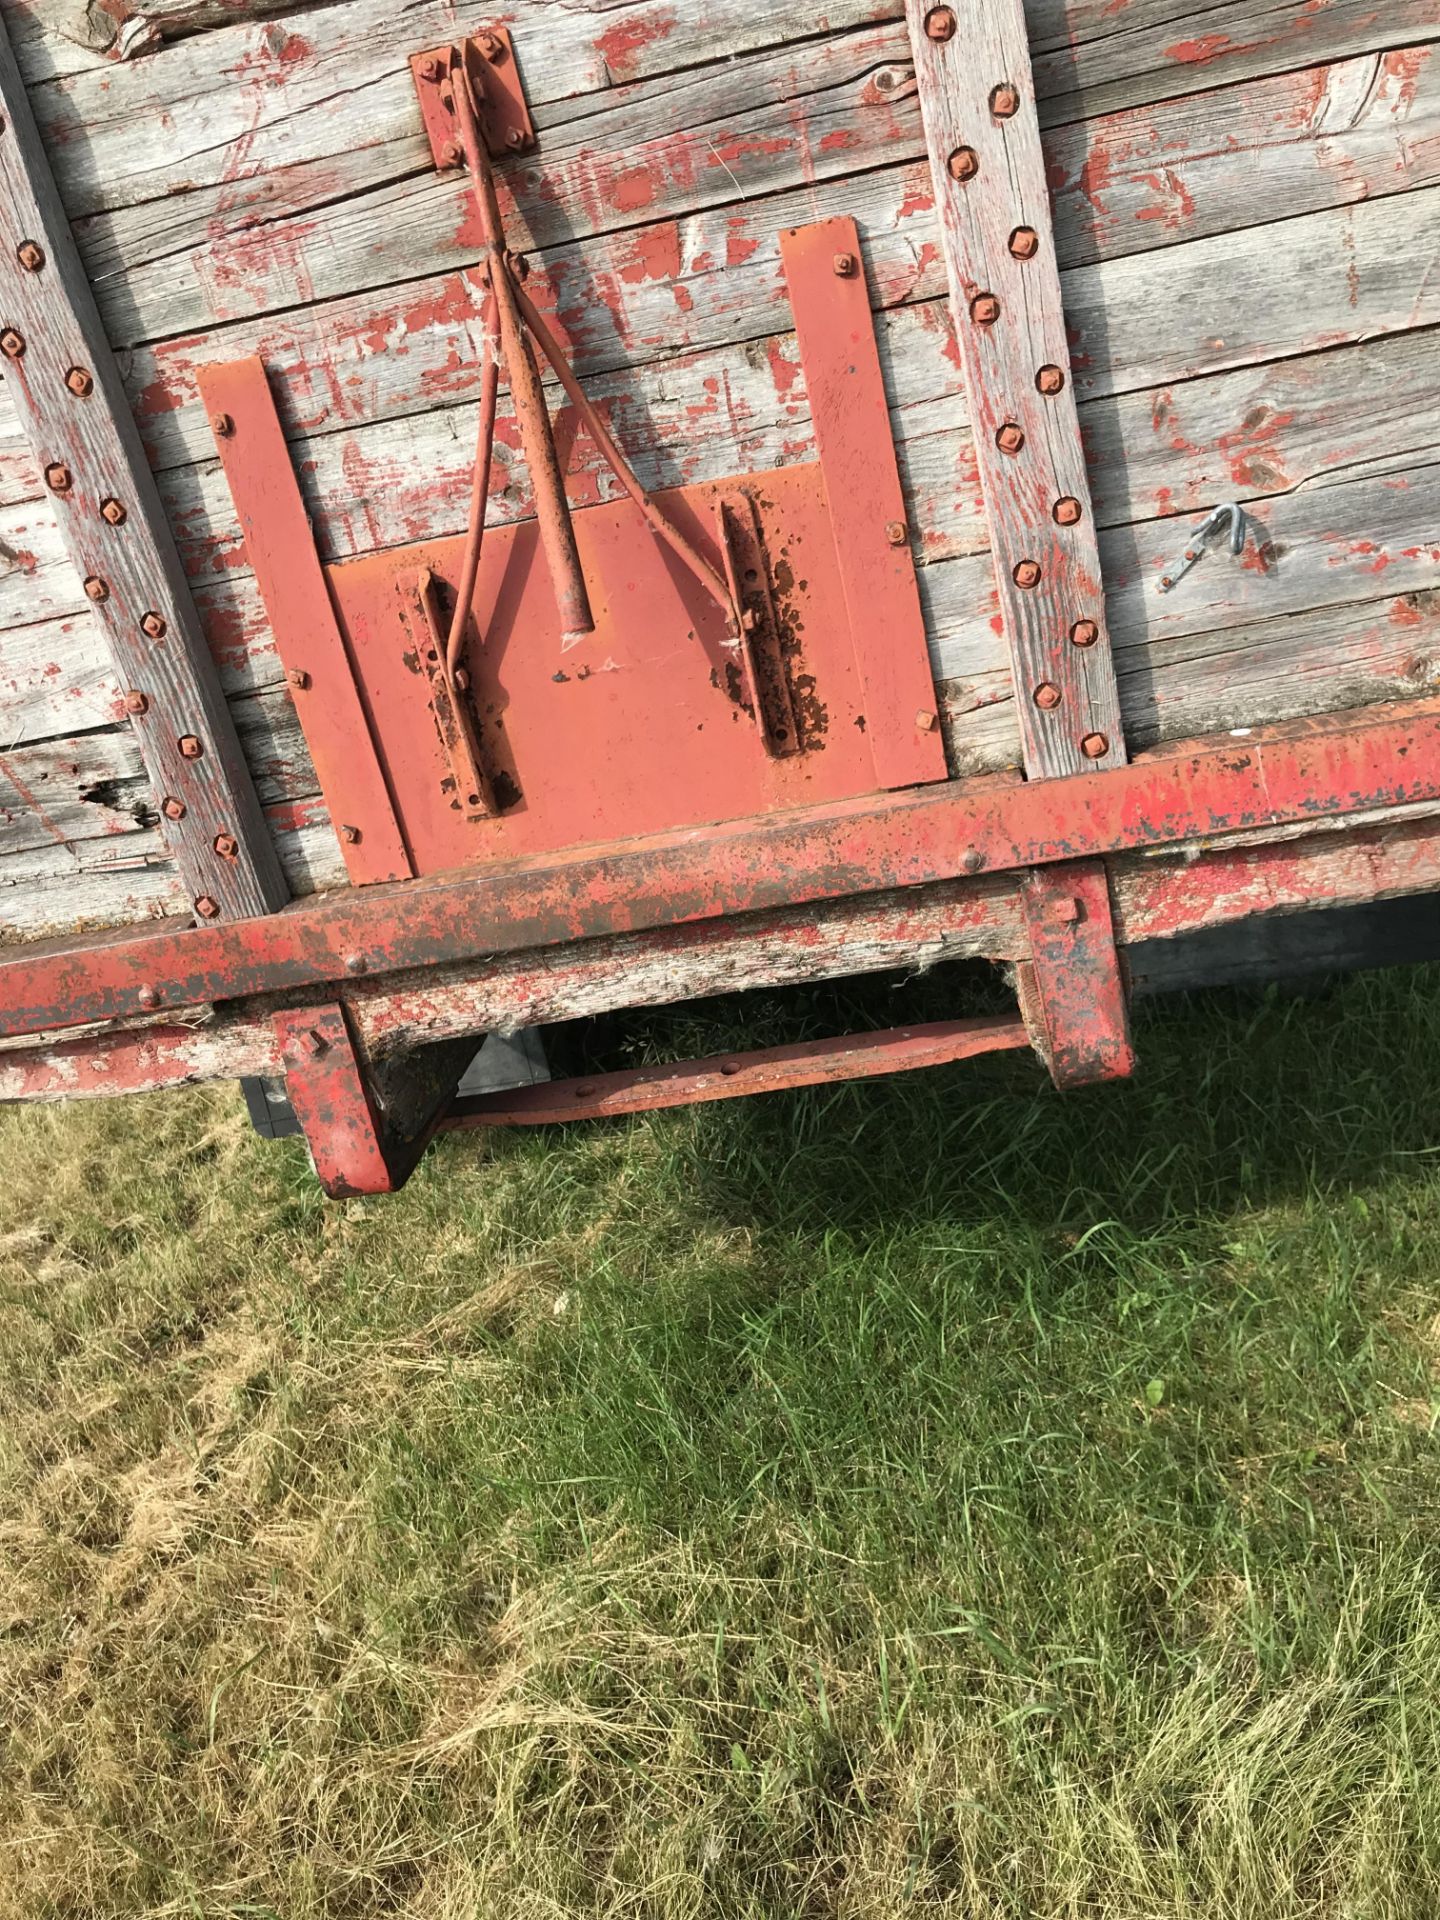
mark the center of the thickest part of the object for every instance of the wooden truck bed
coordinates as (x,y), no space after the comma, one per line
(1243,210)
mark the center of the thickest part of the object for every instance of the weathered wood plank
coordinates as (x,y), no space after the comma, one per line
(68,393)
(977,100)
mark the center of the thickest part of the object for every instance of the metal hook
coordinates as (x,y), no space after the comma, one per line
(1231,511)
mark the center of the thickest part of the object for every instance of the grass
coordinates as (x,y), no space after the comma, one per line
(935,1496)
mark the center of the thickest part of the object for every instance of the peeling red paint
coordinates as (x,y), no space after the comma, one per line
(1201,51)
(621,46)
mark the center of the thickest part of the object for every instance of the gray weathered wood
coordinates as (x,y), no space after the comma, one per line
(68,392)
(977,99)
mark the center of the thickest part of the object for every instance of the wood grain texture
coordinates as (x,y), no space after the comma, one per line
(68,392)
(977,99)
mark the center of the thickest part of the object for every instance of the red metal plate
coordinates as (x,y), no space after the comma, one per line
(1072,990)
(825,272)
(641,725)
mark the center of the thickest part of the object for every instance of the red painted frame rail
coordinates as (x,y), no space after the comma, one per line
(1344,763)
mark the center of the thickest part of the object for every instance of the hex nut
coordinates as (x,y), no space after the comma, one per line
(147,997)
(1027,573)
(963,164)
(1050,380)
(1047,695)
(845,264)
(925,720)
(1010,438)
(154,625)
(1067,510)
(1024,243)
(96,589)
(30,256)
(984,309)
(1005,100)
(190,747)
(1094,746)
(12,344)
(940,24)
(136,702)
(298,678)
(80,382)
(1084,633)
(112,513)
(172,808)
(206,907)
(221,425)
(896,532)
(226,845)
(57,477)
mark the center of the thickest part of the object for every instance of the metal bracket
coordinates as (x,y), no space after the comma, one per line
(504,112)
(1072,989)
(472,792)
(747,570)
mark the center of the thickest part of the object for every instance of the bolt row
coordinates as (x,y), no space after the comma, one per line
(80,382)
(963,164)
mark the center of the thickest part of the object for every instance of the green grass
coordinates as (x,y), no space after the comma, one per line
(935,1496)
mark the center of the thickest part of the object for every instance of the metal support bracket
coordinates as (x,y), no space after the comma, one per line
(1072,989)
(504,112)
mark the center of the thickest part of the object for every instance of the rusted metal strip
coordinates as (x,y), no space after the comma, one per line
(1072,988)
(730,1076)
(1295,773)
(825,273)
(76,416)
(977,102)
(332,1100)
(281,550)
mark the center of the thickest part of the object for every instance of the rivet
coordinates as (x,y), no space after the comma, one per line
(1047,695)
(96,589)
(1024,243)
(356,963)
(1010,438)
(31,257)
(940,24)
(963,164)
(1027,573)
(973,861)
(1050,380)
(515,138)
(80,382)
(221,425)
(190,747)
(925,720)
(12,344)
(153,625)
(451,154)
(1005,101)
(984,309)
(57,477)
(226,845)
(206,907)
(136,702)
(112,512)
(350,835)
(172,808)
(298,678)
(1084,633)
(1094,746)
(845,265)
(896,532)
(148,998)
(1067,510)
(430,69)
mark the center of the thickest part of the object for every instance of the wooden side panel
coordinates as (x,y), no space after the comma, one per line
(69,395)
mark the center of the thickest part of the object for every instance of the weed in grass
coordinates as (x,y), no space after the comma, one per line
(930,1495)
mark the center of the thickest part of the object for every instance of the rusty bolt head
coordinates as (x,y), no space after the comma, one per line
(1047,695)
(845,264)
(1050,380)
(451,154)
(430,69)
(153,625)
(963,164)
(12,344)
(298,678)
(190,747)
(112,513)
(1024,243)
(1067,510)
(1084,633)
(1066,910)
(221,425)
(925,720)
(350,835)
(31,257)
(973,861)
(207,908)
(137,702)
(491,46)
(515,137)
(1094,746)
(80,383)
(1010,438)
(148,998)
(1027,573)
(1005,101)
(896,532)
(172,808)
(96,589)
(57,477)
(356,963)
(940,24)
(984,309)
(226,845)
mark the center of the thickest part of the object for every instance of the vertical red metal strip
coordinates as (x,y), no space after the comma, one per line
(977,102)
(331,1096)
(825,271)
(1072,992)
(281,549)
